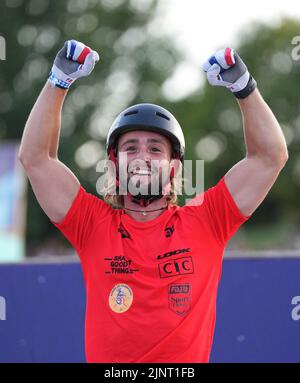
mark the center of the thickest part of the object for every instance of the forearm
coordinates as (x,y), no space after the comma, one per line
(263,135)
(41,134)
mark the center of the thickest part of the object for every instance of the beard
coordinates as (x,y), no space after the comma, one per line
(151,184)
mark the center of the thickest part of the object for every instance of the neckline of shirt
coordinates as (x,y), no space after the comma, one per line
(142,225)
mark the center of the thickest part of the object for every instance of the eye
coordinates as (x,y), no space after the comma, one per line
(155,149)
(130,148)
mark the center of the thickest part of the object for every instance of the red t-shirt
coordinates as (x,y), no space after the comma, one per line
(151,286)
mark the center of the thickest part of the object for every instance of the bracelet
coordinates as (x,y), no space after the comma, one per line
(59,83)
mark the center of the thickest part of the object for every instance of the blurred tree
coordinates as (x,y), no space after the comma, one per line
(135,62)
(213,127)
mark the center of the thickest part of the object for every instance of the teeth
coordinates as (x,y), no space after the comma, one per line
(141,172)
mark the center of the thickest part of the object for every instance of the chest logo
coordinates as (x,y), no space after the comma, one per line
(120,298)
(124,233)
(180,297)
(174,267)
(174,252)
(119,264)
(169,231)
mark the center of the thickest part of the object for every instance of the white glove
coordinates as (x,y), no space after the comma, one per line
(74,60)
(226,68)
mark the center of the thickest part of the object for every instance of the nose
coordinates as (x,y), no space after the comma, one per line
(144,154)
(147,158)
(141,159)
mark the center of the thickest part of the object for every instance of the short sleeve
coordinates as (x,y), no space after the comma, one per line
(225,216)
(84,214)
(220,210)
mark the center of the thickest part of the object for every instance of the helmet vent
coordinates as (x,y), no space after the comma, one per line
(162,115)
(131,112)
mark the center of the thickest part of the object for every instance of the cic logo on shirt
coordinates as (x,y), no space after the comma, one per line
(178,266)
(174,267)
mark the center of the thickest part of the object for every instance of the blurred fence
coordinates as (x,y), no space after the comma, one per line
(258,311)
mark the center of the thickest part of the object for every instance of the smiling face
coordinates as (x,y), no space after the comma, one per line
(144,157)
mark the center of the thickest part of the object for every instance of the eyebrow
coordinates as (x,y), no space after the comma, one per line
(150,140)
(156,141)
(131,141)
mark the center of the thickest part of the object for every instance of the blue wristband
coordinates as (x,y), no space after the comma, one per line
(59,83)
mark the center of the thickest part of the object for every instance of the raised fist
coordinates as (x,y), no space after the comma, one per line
(74,60)
(226,68)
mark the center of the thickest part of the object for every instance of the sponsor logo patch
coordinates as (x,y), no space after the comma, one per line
(169,231)
(119,264)
(174,252)
(120,298)
(180,298)
(124,233)
(174,267)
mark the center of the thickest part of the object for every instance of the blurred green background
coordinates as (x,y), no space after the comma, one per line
(135,63)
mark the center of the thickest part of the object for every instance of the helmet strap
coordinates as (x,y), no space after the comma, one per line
(142,200)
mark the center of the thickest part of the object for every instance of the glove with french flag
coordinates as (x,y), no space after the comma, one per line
(74,60)
(226,68)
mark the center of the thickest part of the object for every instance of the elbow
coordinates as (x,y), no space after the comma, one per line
(280,158)
(31,156)
(21,158)
(283,157)
(28,161)
(282,153)
(275,159)
(25,162)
